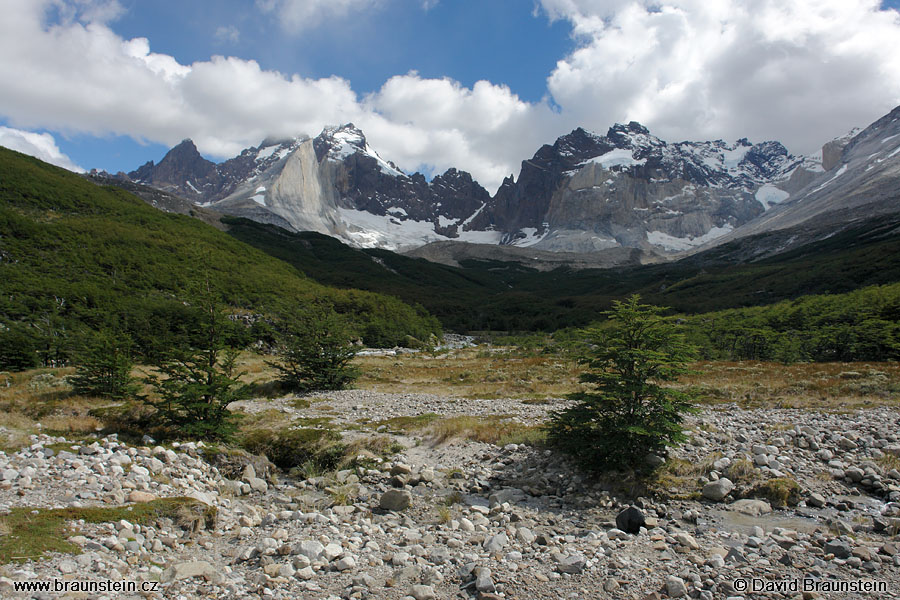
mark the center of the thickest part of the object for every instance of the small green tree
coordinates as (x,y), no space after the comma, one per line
(104,367)
(18,348)
(628,413)
(196,383)
(314,351)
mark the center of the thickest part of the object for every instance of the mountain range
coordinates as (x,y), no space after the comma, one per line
(617,199)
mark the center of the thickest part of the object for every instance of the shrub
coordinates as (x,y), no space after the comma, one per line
(781,491)
(628,413)
(290,448)
(315,351)
(200,381)
(741,471)
(104,368)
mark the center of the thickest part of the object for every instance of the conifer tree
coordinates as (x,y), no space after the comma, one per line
(628,413)
(104,367)
(315,350)
(198,381)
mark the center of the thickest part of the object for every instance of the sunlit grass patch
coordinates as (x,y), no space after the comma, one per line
(495,429)
(30,533)
(405,423)
(471,373)
(823,386)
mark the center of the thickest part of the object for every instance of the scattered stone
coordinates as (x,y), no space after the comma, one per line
(839,548)
(572,564)
(754,508)
(483,581)
(496,543)
(675,587)
(311,549)
(717,490)
(422,592)
(630,520)
(395,500)
(816,500)
(139,496)
(188,570)
(686,539)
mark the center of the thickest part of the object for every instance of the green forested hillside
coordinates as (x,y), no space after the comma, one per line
(74,255)
(859,325)
(499,296)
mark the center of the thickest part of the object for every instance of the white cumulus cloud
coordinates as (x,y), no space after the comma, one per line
(800,71)
(85,78)
(484,129)
(39,145)
(87,11)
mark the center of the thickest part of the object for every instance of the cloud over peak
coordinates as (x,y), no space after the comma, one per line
(800,71)
(796,70)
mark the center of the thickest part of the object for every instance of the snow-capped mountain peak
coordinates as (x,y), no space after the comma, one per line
(586,192)
(341,141)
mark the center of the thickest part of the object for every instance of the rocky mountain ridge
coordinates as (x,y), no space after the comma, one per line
(585,193)
(862,181)
(629,188)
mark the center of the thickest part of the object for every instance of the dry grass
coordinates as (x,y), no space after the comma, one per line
(826,386)
(71,424)
(888,462)
(782,491)
(472,373)
(41,400)
(677,478)
(43,396)
(741,471)
(496,430)
(469,373)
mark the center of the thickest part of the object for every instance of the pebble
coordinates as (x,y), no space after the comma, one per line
(521,522)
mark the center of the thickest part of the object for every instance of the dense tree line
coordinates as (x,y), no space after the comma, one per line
(857,326)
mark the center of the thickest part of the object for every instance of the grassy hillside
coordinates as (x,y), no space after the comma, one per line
(487,295)
(74,255)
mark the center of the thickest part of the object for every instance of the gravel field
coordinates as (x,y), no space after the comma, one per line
(472,520)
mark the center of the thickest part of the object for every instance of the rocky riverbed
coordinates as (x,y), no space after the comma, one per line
(472,520)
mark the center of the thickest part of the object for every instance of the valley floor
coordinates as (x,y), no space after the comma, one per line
(490,514)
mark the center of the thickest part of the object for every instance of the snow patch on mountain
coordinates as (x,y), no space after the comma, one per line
(840,172)
(367,230)
(347,140)
(769,194)
(676,244)
(531,238)
(265,153)
(620,157)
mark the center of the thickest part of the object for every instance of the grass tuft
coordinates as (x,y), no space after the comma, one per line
(31,533)
(781,491)
(496,429)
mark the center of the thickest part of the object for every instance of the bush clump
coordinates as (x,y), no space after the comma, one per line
(197,382)
(290,448)
(104,368)
(315,350)
(628,414)
(781,491)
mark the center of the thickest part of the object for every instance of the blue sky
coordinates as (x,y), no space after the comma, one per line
(477,84)
(502,41)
